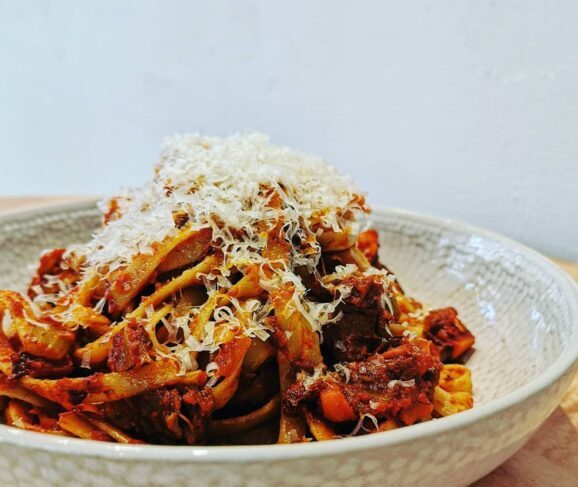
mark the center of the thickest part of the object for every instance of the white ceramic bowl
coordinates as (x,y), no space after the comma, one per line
(522,309)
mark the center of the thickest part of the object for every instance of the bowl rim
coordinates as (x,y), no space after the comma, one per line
(253,453)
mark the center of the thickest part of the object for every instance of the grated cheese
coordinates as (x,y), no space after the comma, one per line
(221,180)
(85,364)
(360,422)
(343,370)
(212,370)
(403,383)
(7,323)
(227,185)
(409,334)
(307,380)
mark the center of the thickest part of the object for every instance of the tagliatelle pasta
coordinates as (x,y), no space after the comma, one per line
(233,299)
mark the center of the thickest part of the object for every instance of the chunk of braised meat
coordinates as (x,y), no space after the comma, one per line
(398,383)
(451,336)
(25,364)
(353,337)
(166,415)
(363,323)
(129,348)
(315,288)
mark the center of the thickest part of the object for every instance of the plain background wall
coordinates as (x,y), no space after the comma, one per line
(462,109)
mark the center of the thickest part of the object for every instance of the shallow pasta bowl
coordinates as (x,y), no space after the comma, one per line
(522,309)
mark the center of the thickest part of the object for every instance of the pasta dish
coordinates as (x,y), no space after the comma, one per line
(236,298)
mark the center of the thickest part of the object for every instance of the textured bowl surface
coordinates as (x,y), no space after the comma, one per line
(521,308)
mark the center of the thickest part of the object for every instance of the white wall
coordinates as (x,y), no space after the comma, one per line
(462,109)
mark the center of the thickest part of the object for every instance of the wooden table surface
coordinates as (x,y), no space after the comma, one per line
(550,458)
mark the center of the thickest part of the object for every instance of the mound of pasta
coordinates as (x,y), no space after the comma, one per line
(233,299)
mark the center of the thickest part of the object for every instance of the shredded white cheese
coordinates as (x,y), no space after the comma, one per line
(228,185)
(343,370)
(360,422)
(307,380)
(212,370)
(219,184)
(85,364)
(411,335)
(403,383)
